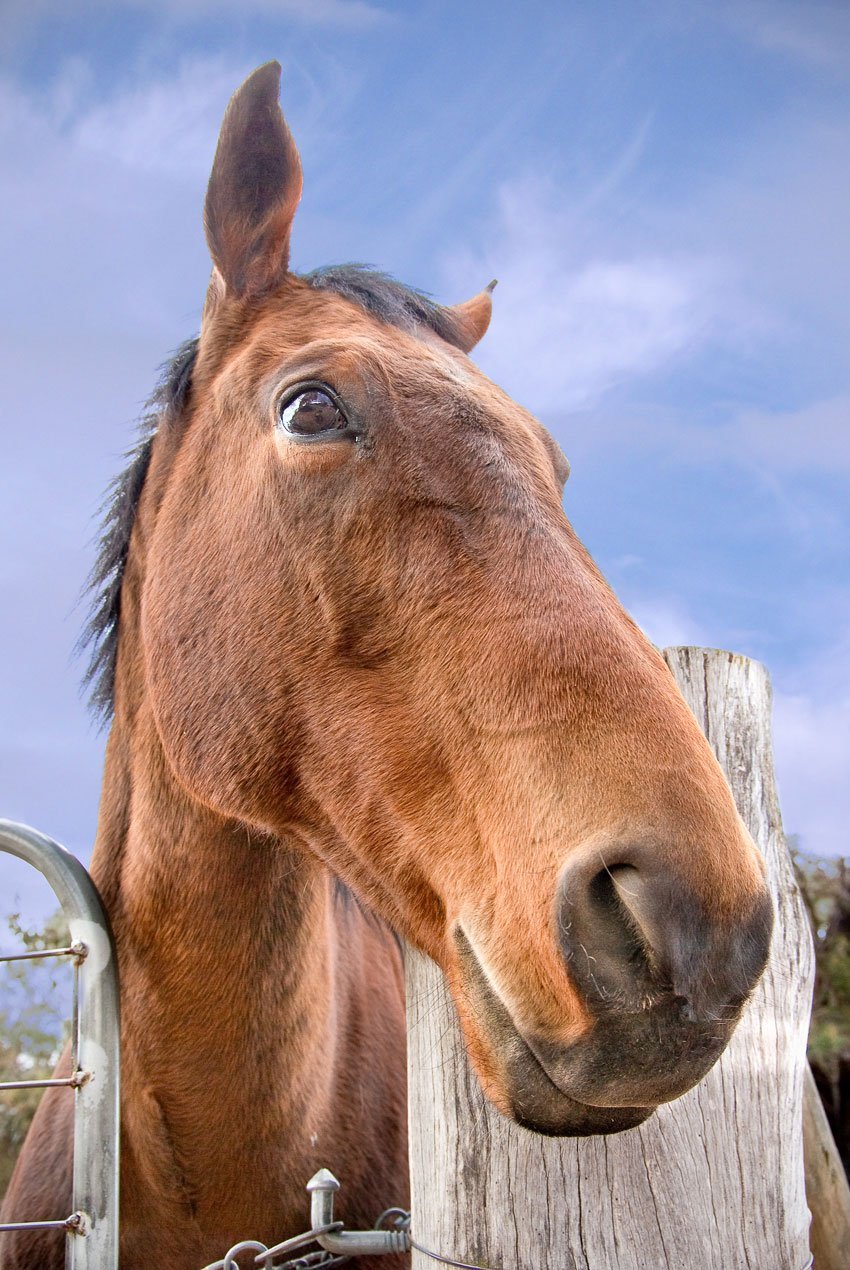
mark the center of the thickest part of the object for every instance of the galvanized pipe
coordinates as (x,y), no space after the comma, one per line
(93,1230)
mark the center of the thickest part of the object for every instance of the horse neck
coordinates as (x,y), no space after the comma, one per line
(229,979)
(182,881)
(262,1020)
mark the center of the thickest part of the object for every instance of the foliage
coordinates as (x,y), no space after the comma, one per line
(825,884)
(35,1010)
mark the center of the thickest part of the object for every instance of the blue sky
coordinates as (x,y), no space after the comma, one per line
(662,190)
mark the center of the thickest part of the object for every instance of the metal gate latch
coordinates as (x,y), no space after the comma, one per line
(348,1243)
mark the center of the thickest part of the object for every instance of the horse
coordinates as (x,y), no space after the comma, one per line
(367,686)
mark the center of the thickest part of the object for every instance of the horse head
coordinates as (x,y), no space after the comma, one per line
(369,629)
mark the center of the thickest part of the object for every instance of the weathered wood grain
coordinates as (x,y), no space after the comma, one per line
(713,1181)
(826,1185)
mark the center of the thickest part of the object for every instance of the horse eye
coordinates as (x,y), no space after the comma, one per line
(310,413)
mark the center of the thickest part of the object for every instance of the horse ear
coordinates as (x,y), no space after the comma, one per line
(254,188)
(473,317)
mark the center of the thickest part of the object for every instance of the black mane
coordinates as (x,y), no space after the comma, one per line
(100,633)
(377,293)
(386,299)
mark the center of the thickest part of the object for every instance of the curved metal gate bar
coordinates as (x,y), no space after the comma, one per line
(92,1227)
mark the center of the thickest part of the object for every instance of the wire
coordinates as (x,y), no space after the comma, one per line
(447,1261)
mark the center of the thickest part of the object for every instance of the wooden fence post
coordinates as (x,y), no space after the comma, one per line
(713,1181)
(826,1185)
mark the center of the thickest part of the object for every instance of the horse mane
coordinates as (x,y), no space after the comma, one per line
(378,294)
(100,633)
(386,299)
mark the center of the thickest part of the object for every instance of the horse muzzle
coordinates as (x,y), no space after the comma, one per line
(662,984)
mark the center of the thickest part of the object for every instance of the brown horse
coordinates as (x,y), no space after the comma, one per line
(366,683)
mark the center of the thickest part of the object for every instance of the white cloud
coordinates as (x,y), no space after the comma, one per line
(812,737)
(734,275)
(167,126)
(577,314)
(602,286)
(815,32)
(778,214)
(160,126)
(666,623)
(817,437)
(103,197)
(103,201)
(813,439)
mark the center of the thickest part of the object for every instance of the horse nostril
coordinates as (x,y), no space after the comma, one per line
(607,935)
(632,936)
(637,908)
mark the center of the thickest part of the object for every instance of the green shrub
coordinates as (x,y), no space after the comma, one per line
(35,1011)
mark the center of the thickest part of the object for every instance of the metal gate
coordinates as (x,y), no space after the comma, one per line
(92,1225)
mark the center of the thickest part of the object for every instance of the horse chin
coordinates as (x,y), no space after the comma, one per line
(535,1102)
(513,1077)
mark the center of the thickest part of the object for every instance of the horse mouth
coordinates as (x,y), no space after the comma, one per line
(526,1092)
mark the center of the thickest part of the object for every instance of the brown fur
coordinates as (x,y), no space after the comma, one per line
(388,660)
